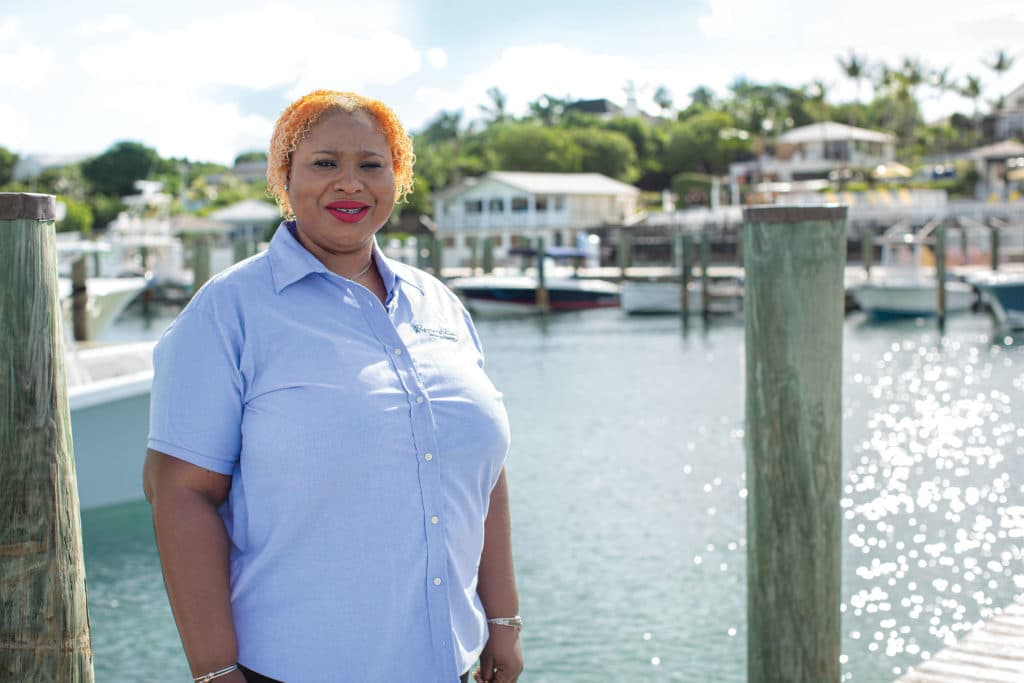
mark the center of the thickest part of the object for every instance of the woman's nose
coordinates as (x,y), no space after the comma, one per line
(347,180)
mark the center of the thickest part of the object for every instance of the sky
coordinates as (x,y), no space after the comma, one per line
(206,79)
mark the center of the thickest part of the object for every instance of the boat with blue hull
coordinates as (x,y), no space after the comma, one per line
(1004,294)
(517,294)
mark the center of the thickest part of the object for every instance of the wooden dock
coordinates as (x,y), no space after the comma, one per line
(992,652)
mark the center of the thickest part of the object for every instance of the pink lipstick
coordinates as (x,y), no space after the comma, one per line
(348,211)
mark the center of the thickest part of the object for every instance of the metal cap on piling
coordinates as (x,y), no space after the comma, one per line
(27,206)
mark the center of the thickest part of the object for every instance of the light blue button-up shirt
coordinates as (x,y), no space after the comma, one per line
(363,441)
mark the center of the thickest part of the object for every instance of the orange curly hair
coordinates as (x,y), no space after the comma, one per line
(301,115)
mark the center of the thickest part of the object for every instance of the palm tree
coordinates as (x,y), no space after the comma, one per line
(855,67)
(1000,63)
(497,111)
(971,89)
(663,98)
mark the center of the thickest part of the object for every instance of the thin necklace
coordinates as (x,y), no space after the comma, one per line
(363,271)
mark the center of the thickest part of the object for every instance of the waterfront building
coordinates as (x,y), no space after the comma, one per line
(511,207)
(814,152)
(1009,118)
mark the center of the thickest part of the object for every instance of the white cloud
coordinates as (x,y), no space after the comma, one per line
(22,63)
(9,29)
(14,128)
(249,49)
(437,57)
(114,23)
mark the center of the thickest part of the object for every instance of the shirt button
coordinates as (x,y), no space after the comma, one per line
(437,581)
(398,352)
(428,457)
(419,399)
(434,519)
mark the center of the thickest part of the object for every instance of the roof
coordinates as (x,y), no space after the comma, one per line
(247,210)
(562,183)
(999,150)
(832,131)
(601,106)
(187,223)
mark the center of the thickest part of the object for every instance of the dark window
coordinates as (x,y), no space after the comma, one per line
(542,203)
(473,206)
(520,204)
(496,205)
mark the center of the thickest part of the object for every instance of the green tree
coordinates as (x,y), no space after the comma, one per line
(855,68)
(606,151)
(527,146)
(8,159)
(250,156)
(1000,63)
(663,98)
(705,143)
(497,110)
(548,109)
(115,171)
(77,216)
(104,209)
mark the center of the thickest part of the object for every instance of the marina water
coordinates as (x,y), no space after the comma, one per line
(628,500)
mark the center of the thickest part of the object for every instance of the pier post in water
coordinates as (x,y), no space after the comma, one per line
(625,252)
(488,256)
(685,250)
(201,265)
(993,232)
(940,275)
(44,622)
(705,279)
(867,250)
(794,259)
(437,255)
(79,299)
(543,300)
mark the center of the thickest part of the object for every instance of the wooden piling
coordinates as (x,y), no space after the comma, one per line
(994,250)
(940,276)
(79,299)
(685,250)
(794,258)
(543,300)
(488,255)
(437,255)
(867,250)
(625,252)
(44,622)
(200,260)
(705,278)
(474,253)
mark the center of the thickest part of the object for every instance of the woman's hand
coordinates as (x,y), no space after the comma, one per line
(502,658)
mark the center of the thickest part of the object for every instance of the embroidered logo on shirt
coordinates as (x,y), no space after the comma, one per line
(436,332)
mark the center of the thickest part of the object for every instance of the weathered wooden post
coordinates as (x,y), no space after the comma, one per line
(685,249)
(625,252)
(543,302)
(705,279)
(79,299)
(240,250)
(867,249)
(200,260)
(794,259)
(437,256)
(44,621)
(474,253)
(993,231)
(940,275)
(488,257)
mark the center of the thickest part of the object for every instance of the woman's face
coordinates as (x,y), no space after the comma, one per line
(341,185)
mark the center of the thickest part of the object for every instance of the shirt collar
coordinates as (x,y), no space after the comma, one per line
(290,262)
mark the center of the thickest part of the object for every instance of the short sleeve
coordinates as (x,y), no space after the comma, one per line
(195,406)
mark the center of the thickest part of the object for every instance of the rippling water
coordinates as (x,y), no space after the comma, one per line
(627,476)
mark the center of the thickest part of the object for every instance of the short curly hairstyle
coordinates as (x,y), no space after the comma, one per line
(301,115)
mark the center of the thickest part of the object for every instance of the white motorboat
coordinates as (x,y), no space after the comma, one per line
(642,297)
(517,294)
(1004,294)
(907,285)
(106,299)
(108,394)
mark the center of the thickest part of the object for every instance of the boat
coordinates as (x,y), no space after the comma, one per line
(905,284)
(108,397)
(517,294)
(891,297)
(106,299)
(1004,294)
(645,297)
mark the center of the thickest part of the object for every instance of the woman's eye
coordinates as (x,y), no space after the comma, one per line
(372,164)
(323,163)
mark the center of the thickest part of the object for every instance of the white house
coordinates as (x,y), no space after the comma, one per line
(1009,121)
(813,151)
(510,207)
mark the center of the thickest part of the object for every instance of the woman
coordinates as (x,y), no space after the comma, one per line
(325,460)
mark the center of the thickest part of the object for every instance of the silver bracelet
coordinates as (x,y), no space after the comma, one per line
(205,678)
(515,622)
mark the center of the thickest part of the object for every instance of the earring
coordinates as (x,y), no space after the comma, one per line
(286,187)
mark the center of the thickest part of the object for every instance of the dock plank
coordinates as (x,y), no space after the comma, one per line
(993,652)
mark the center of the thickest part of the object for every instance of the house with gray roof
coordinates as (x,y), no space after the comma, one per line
(513,207)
